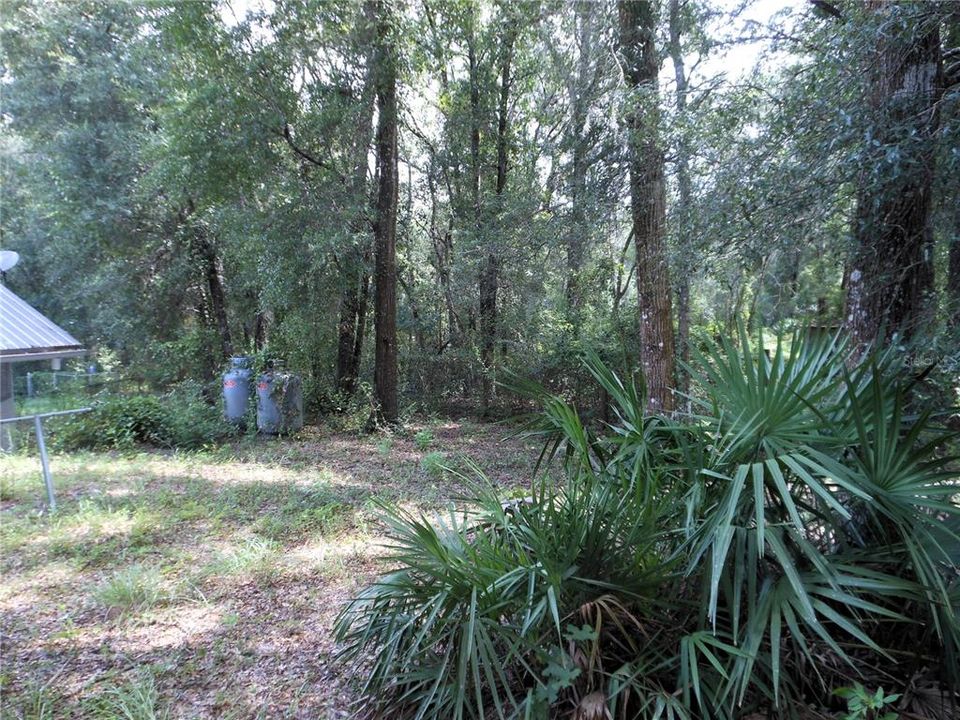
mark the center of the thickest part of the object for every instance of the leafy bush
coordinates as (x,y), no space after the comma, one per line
(797,534)
(865,705)
(179,419)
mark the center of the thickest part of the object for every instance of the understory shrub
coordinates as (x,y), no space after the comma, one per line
(180,418)
(434,463)
(423,439)
(798,534)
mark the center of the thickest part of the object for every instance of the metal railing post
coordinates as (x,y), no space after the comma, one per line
(44,462)
(42,444)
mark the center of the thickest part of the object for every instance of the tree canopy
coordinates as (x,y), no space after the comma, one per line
(191,181)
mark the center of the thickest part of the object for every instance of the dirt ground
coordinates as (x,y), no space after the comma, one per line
(205,585)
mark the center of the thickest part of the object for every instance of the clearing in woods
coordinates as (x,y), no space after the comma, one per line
(205,585)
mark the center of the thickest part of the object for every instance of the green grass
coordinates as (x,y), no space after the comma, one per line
(133,589)
(11,490)
(137,699)
(52,403)
(434,463)
(423,439)
(90,532)
(384,447)
(280,512)
(252,556)
(38,702)
(196,549)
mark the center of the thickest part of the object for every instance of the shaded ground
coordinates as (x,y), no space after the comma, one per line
(205,585)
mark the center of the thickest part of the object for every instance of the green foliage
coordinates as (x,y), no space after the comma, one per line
(423,439)
(864,705)
(178,419)
(133,589)
(780,542)
(384,447)
(352,414)
(253,556)
(117,422)
(494,591)
(137,699)
(223,205)
(434,463)
(36,703)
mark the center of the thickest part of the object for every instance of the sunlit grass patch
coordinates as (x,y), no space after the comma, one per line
(96,533)
(23,587)
(20,479)
(384,446)
(174,555)
(107,520)
(284,512)
(133,589)
(81,492)
(15,533)
(336,560)
(252,556)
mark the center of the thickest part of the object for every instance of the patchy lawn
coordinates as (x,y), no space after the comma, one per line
(205,585)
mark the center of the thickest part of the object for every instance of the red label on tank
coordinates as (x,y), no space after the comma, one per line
(263,386)
(229,383)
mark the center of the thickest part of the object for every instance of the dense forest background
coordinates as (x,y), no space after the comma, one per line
(190,180)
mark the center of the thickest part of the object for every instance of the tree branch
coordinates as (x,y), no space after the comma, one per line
(287,135)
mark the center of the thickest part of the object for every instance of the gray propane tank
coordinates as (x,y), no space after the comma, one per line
(236,390)
(279,401)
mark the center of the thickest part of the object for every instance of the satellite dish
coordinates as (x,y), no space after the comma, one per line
(8,258)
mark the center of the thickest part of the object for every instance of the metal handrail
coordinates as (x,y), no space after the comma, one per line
(42,445)
(45,415)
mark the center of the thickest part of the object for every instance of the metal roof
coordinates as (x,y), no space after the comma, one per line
(27,334)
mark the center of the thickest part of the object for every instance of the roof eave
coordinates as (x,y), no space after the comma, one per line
(40,354)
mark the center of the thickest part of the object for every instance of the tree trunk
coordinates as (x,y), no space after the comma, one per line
(490,276)
(353,299)
(385,229)
(350,331)
(684,199)
(346,337)
(487,308)
(952,80)
(213,304)
(891,273)
(361,325)
(648,200)
(218,306)
(443,254)
(261,327)
(218,303)
(578,89)
(953,270)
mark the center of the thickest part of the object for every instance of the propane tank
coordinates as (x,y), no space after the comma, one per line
(236,390)
(279,401)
